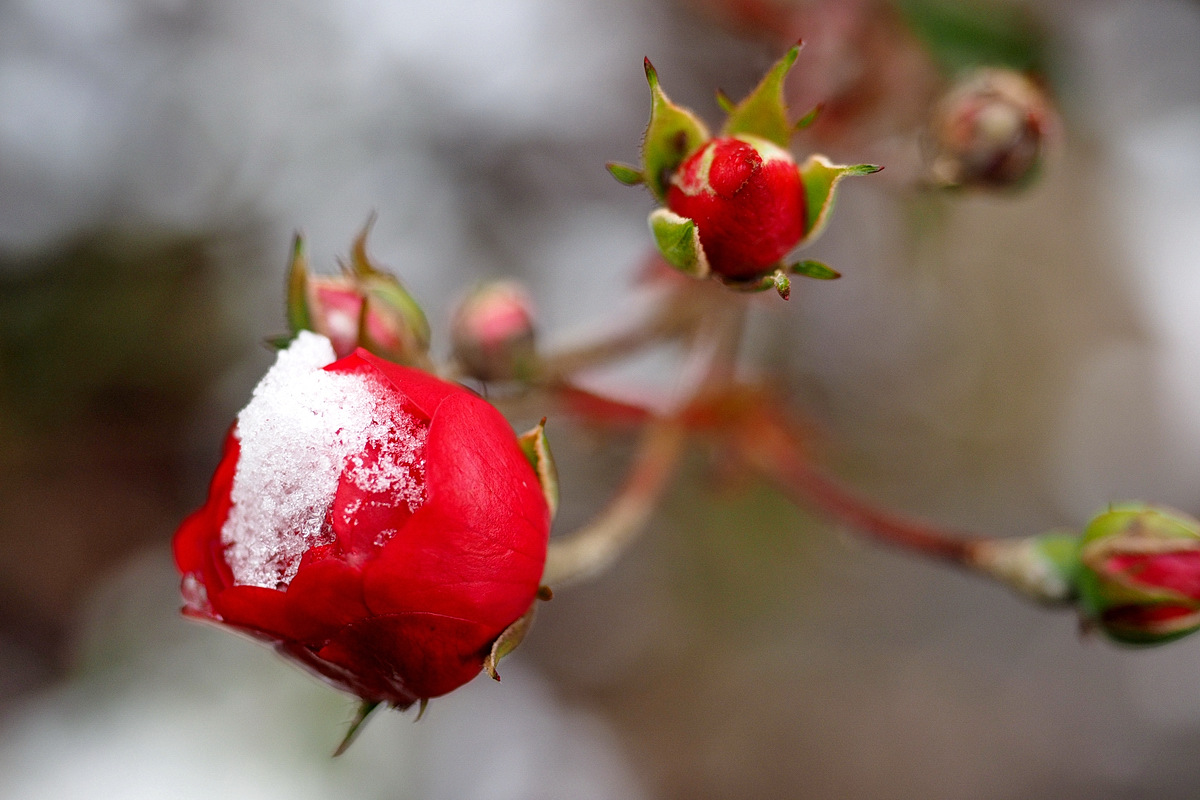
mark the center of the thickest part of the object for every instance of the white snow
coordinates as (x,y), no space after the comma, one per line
(304,427)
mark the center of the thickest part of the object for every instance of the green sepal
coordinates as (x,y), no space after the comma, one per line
(810,117)
(678,241)
(508,641)
(365,709)
(820,179)
(673,134)
(725,102)
(1044,568)
(764,113)
(383,291)
(630,176)
(298,315)
(814,269)
(536,448)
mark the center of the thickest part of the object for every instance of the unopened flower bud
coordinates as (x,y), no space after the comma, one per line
(379,526)
(1139,578)
(493,332)
(363,307)
(989,130)
(736,204)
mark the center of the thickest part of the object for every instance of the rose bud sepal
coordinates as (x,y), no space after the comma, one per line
(1139,577)
(678,241)
(672,134)
(763,112)
(536,447)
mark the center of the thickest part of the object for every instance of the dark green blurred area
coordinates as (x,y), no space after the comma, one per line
(115,327)
(961,36)
(108,349)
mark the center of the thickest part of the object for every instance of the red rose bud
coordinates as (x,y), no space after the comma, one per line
(377,525)
(736,204)
(493,332)
(746,196)
(989,129)
(1139,579)
(363,307)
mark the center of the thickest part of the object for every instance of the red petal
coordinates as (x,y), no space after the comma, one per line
(1177,572)
(755,215)
(194,541)
(324,597)
(477,548)
(256,609)
(407,655)
(425,391)
(359,516)
(733,163)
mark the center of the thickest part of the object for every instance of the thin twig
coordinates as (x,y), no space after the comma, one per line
(773,451)
(591,549)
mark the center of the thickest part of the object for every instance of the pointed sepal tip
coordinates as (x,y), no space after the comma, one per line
(536,447)
(365,709)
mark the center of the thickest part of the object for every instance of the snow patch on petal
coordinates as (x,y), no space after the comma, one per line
(304,428)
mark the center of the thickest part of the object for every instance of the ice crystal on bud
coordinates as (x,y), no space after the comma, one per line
(304,429)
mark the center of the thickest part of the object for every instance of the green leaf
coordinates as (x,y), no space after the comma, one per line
(678,241)
(630,176)
(507,641)
(814,269)
(673,134)
(536,448)
(763,113)
(820,180)
(298,316)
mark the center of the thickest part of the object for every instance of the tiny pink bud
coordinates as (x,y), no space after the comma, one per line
(493,332)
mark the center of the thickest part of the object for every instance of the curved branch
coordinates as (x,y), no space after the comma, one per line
(588,551)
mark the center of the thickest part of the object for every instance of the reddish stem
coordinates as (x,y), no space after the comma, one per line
(777,454)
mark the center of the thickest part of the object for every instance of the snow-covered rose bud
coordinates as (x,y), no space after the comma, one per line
(746,196)
(379,526)
(989,130)
(1139,578)
(493,333)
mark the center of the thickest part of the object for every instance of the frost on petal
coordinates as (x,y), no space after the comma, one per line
(303,427)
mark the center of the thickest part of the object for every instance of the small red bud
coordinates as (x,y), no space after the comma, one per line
(746,196)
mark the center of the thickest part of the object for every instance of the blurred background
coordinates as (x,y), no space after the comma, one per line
(1006,360)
